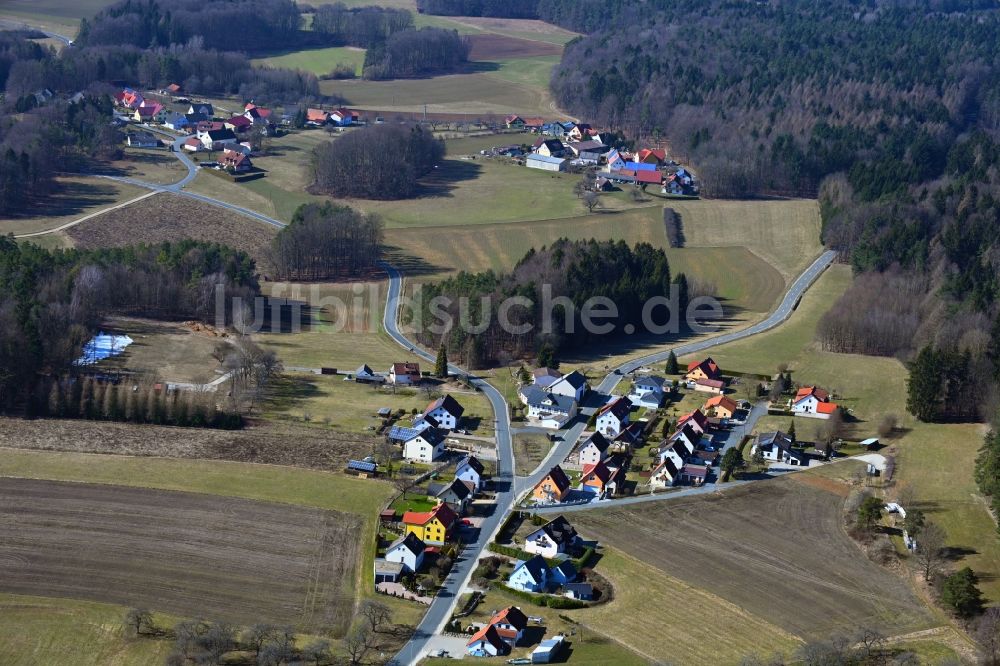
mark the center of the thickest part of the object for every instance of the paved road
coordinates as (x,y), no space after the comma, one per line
(52,35)
(440,611)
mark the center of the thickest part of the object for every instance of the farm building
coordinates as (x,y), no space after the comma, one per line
(545,163)
(547,651)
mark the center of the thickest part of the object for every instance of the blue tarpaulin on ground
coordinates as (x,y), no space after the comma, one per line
(102,346)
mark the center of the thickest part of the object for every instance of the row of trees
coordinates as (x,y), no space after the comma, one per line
(376,162)
(228,26)
(527,9)
(325,241)
(570,273)
(413,53)
(943,386)
(360,26)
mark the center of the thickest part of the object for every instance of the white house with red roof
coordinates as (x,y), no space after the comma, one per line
(404,373)
(696,420)
(813,402)
(613,417)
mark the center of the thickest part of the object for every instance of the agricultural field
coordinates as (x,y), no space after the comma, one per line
(317,61)
(786,557)
(170,217)
(76,197)
(182,553)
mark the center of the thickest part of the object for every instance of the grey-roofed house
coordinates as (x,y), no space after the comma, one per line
(425,445)
(366,375)
(470,470)
(530,575)
(563,573)
(549,409)
(455,494)
(594,449)
(647,391)
(446,411)
(202,108)
(544,377)
(554,537)
(572,384)
(776,446)
(408,551)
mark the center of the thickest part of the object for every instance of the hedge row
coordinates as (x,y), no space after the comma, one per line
(544,600)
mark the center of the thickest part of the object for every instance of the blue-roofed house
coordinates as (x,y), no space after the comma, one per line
(530,575)
(425,446)
(562,573)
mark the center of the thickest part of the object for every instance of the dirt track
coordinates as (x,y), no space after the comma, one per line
(183,553)
(776,548)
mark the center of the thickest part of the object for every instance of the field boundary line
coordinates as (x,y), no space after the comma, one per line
(89,216)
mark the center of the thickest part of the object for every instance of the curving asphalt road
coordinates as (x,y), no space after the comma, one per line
(440,610)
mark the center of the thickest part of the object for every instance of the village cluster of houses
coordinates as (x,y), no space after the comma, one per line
(337,117)
(562,143)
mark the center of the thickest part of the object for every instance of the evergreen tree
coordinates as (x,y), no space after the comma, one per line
(523,375)
(683,297)
(57,408)
(961,593)
(671,367)
(86,409)
(791,430)
(924,384)
(441,363)
(869,513)
(547,357)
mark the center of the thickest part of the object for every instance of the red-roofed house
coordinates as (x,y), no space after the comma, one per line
(404,373)
(723,407)
(652,156)
(174,88)
(533,124)
(705,369)
(695,420)
(150,112)
(236,160)
(648,177)
(317,117)
(716,386)
(193,144)
(514,122)
(599,479)
(813,402)
(487,643)
(434,526)
(238,123)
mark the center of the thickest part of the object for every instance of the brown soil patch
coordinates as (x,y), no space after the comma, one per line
(820,483)
(500,47)
(186,554)
(274,444)
(170,217)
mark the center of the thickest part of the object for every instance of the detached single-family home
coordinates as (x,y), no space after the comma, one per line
(217,139)
(132,99)
(665,474)
(550,148)
(530,575)
(599,479)
(580,131)
(403,374)
(237,160)
(572,385)
(317,117)
(554,537)
(613,417)
(202,108)
(176,121)
(722,407)
(705,369)
(514,122)
(547,408)
(554,129)
(366,375)
(696,420)
(142,140)
(456,494)
(504,630)
(651,156)
(563,573)
(777,447)
(594,449)
(193,144)
(694,474)
(238,124)
(545,163)
(716,386)
(446,411)
(813,402)
(676,452)
(434,526)
(616,161)
(174,88)
(343,117)
(487,643)
(647,391)
(150,112)
(579,147)
(408,551)
(688,437)
(544,377)
(553,487)
(470,470)
(533,124)
(424,446)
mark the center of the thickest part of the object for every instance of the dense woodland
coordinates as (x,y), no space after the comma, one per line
(376,162)
(577,270)
(325,241)
(51,302)
(413,53)
(360,26)
(492,8)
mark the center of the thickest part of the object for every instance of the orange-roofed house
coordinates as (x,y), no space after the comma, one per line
(706,369)
(813,402)
(696,420)
(514,122)
(433,527)
(721,406)
(510,623)
(553,487)
(317,117)
(487,643)
(599,479)
(652,156)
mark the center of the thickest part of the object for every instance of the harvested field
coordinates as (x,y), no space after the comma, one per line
(170,217)
(524,28)
(777,549)
(267,444)
(494,47)
(75,197)
(182,553)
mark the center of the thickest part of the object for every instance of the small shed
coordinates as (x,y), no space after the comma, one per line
(387,572)
(870,444)
(548,650)
(363,468)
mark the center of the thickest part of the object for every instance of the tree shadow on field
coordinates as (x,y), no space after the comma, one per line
(442,180)
(70,198)
(408,264)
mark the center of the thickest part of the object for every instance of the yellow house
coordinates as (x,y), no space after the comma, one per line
(433,527)
(553,488)
(706,369)
(723,406)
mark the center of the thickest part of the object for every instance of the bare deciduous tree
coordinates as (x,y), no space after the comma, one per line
(930,550)
(376,614)
(591,201)
(139,620)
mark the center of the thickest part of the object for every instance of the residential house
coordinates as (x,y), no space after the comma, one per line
(704,369)
(132,99)
(366,375)
(694,474)
(676,452)
(533,124)
(548,409)
(595,154)
(407,550)
(616,162)
(554,129)
(236,160)
(551,148)
(259,116)
(614,416)
(487,643)
(696,420)
(456,494)
(202,108)
(544,377)
(647,391)
(632,434)
(707,458)
(572,385)
(150,112)
(563,573)
(193,144)
(594,449)
(424,446)
(665,474)
(403,374)
(238,124)
(716,386)
(142,140)
(195,119)
(777,447)
(434,526)
(446,411)
(317,117)
(655,156)
(530,575)
(579,132)
(813,402)
(640,166)
(648,177)
(553,487)
(174,89)
(514,122)
(343,117)
(599,479)
(176,121)
(553,538)
(217,139)
(470,470)
(721,406)
(580,147)
(688,436)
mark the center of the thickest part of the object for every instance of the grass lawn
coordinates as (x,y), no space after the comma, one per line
(317,61)
(151,165)
(76,197)
(530,449)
